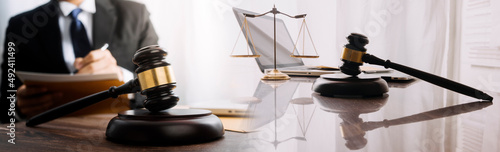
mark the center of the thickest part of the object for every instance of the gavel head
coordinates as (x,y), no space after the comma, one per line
(353,53)
(156,78)
(352,131)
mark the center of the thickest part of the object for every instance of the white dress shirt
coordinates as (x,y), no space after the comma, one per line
(88,10)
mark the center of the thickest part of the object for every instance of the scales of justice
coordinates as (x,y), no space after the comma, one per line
(275,74)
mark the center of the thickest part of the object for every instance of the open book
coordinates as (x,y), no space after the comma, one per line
(77,86)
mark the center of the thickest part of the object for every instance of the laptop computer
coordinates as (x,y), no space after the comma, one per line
(262,32)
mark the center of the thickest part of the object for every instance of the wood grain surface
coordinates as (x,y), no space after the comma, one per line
(87,133)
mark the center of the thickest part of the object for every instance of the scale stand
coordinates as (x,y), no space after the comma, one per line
(275,74)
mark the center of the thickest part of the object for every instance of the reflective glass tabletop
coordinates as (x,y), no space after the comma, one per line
(412,116)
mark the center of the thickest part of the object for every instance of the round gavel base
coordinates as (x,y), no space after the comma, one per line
(341,85)
(167,127)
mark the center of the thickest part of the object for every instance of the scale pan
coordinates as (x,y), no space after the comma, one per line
(304,56)
(245,56)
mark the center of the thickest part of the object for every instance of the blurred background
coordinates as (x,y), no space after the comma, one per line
(454,39)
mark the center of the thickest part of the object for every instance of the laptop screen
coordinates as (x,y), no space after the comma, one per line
(262,32)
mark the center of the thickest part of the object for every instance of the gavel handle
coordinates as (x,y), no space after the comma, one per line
(434,79)
(428,115)
(129,87)
(67,108)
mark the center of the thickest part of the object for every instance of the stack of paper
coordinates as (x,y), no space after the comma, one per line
(77,86)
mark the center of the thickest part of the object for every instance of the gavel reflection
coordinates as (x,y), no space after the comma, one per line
(353,128)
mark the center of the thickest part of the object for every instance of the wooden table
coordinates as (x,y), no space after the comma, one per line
(87,133)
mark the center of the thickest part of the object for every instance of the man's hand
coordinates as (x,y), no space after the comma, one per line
(33,100)
(97,62)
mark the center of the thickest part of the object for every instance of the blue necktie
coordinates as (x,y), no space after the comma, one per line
(79,38)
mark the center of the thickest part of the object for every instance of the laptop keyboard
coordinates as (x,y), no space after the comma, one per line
(298,68)
(309,68)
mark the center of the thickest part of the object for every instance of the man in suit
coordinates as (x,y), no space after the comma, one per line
(50,39)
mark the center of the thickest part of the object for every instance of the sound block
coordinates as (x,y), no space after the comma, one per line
(341,85)
(167,127)
(350,105)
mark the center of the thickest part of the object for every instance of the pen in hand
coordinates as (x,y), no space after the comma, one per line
(103,48)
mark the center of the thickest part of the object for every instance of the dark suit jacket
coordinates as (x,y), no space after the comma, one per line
(124,25)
